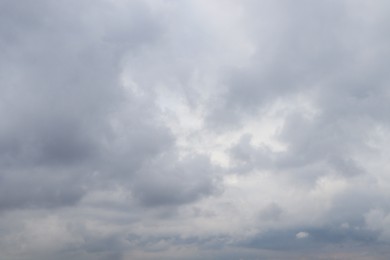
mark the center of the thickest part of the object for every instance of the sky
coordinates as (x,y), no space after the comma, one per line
(194,129)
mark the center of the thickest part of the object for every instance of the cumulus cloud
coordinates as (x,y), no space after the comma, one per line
(139,129)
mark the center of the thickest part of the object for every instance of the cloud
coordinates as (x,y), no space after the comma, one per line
(139,129)
(301,235)
(162,183)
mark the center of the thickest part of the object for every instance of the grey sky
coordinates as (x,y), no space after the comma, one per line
(194,129)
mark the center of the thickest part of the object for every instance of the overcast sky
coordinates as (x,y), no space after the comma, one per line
(194,129)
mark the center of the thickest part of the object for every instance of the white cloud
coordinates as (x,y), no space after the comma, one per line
(302,235)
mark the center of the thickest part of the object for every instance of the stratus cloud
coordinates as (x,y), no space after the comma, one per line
(194,129)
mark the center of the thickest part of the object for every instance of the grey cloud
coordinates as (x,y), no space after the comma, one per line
(351,205)
(66,113)
(165,182)
(248,157)
(304,49)
(34,189)
(319,54)
(60,89)
(276,240)
(344,224)
(322,139)
(339,235)
(110,112)
(316,147)
(271,212)
(286,240)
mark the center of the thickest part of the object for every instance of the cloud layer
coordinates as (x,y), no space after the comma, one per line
(194,129)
